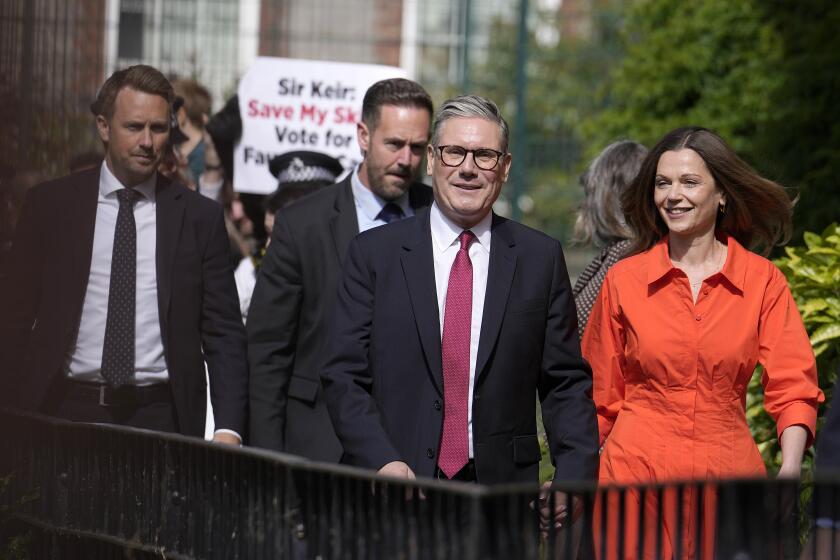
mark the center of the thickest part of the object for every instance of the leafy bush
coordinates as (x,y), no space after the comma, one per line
(813,272)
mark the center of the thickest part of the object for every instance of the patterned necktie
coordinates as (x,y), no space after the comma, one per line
(118,346)
(455,346)
(391,212)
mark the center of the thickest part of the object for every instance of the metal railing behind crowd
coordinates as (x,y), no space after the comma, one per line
(96,491)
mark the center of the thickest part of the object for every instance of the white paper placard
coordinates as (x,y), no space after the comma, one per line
(290,104)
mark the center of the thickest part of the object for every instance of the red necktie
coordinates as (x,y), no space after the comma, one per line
(457,322)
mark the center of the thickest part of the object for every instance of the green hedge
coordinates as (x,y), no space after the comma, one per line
(813,272)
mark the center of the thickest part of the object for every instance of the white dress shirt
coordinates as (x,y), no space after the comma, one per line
(84,362)
(445,246)
(369,205)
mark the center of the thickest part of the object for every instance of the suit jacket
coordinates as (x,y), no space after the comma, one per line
(197,302)
(289,319)
(828,440)
(383,379)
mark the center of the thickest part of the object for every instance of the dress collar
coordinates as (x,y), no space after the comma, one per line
(734,270)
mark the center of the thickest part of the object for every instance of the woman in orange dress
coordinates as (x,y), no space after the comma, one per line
(676,334)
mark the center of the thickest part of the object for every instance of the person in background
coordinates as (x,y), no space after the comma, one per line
(192,116)
(678,329)
(223,132)
(289,319)
(600,221)
(173,164)
(298,174)
(119,287)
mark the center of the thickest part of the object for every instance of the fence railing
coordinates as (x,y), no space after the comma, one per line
(95,491)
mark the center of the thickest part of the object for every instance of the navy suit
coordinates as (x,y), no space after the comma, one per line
(383,380)
(828,441)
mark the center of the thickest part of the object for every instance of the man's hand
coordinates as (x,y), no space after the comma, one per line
(226,438)
(397,469)
(560,516)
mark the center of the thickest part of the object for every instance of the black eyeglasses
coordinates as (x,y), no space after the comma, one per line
(484,158)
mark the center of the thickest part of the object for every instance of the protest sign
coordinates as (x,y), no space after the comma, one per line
(288,104)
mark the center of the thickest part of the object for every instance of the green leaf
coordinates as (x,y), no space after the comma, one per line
(820,348)
(825,332)
(812,240)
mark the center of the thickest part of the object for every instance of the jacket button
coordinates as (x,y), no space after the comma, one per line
(430,454)
(437,405)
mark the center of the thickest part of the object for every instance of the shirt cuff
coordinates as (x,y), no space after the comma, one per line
(799,412)
(226,431)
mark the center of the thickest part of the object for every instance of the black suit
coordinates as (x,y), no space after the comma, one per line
(383,380)
(197,303)
(288,320)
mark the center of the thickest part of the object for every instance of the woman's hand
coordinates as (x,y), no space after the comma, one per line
(793,442)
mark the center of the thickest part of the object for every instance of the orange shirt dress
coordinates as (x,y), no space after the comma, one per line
(670,378)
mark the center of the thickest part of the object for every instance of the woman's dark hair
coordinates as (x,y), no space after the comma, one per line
(758,211)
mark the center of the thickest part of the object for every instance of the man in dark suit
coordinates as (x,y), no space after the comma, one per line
(448,325)
(120,287)
(289,317)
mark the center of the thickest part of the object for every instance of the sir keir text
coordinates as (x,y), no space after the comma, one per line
(316,88)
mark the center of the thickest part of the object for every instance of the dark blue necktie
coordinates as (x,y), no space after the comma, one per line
(118,346)
(390,213)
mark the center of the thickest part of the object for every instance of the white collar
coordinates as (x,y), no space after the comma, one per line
(109,184)
(445,232)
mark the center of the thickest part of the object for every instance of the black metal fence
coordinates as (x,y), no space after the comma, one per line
(96,491)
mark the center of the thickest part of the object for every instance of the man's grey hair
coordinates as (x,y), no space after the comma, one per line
(470,106)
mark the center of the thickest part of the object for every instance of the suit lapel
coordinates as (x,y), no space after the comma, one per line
(169,210)
(344,224)
(499,278)
(80,230)
(418,267)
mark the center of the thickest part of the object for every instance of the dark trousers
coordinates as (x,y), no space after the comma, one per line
(150,408)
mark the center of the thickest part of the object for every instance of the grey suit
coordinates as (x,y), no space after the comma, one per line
(289,320)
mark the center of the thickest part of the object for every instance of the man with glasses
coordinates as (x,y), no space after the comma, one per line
(448,326)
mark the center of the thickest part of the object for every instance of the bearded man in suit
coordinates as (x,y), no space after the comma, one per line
(120,286)
(289,319)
